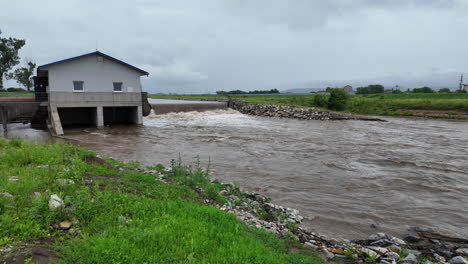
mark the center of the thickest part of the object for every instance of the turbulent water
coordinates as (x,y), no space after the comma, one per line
(349,178)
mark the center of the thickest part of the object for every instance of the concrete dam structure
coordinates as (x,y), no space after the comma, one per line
(164,106)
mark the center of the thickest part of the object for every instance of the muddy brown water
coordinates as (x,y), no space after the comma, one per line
(348,178)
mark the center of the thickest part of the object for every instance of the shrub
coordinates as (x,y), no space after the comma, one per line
(338,99)
(444,90)
(424,89)
(320,100)
(15,90)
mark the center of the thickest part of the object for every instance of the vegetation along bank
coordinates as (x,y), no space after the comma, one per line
(66,204)
(426,105)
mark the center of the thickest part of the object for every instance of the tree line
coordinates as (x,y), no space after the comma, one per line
(378,88)
(272,91)
(9,58)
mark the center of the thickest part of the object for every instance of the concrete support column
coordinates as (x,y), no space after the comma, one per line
(4,115)
(99,117)
(139,117)
(55,121)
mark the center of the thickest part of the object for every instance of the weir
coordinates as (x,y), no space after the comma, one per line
(164,106)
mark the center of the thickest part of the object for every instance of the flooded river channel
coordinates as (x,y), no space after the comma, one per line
(348,178)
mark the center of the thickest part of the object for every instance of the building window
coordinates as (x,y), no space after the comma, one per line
(78,86)
(117,87)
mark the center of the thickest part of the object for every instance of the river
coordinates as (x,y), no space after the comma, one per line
(348,178)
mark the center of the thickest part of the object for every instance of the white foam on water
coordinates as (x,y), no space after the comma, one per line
(214,118)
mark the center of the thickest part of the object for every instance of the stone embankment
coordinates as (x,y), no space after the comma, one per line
(293,112)
(421,245)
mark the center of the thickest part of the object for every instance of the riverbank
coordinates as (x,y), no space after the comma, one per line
(293,112)
(437,106)
(76,206)
(61,202)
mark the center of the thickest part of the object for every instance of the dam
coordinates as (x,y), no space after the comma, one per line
(165,106)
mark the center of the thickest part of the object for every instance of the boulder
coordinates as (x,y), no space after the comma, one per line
(377,236)
(369,252)
(392,256)
(65,182)
(65,225)
(55,202)
(13,179)
(8,195)
(410,259)
(458,260)
(462,251)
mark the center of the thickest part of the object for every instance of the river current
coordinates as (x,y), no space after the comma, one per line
(348,178)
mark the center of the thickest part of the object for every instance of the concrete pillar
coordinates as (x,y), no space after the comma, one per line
(4,115)
(100,117)
(55,121)
(139,117)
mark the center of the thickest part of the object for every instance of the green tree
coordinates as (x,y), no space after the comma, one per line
(371,89)
(320,100)
(338,99)
(444,90)
(24,75)
(424,89)
(9,57)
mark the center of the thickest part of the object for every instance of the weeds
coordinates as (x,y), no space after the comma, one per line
(124,216)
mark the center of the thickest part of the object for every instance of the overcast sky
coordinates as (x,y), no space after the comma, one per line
(207,45)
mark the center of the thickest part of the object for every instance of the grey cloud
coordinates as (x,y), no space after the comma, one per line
(204,46)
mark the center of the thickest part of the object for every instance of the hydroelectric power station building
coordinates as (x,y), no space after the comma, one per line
(92,89)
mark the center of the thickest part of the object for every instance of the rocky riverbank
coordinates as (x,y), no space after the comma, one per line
(293,112)
(421,245)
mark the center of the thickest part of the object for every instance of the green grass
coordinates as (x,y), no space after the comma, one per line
(125,215)
(13,94)
(451,105)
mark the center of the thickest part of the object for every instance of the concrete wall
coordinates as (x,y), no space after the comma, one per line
(19,110)
(90,99)
(97,75)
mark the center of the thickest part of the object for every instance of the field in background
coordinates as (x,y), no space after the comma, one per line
(13,94)
(450,105)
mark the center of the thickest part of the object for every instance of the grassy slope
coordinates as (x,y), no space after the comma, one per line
(452,105)
(125,216)
(8,94)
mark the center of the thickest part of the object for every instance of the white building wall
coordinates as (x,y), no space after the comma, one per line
(98,76)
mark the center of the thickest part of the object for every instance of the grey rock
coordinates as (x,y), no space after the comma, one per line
(462,251)
(308,244)
(55,202)
(458,260)
(64,182)
(414,252)
(8,195)
(381,243)
(377,236)
(369,252)
(439,258)
(392,255)
(327,254)
(380,250)
(13,179)
(410,259)
(398,241)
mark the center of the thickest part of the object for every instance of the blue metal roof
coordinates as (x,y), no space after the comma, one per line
(100,54)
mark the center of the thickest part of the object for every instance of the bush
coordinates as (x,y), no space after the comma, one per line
(371,89)
(320,100)
(338,99)
(424,89)
(15,90)
(444,90)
